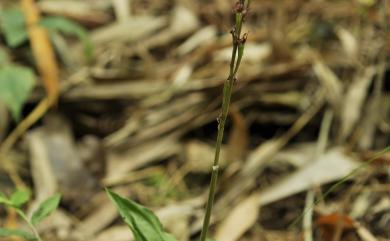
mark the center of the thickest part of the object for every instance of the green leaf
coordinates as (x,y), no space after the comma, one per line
(47,207)
(16,84)
(13,25)
(142,222)
(5,232)
(69,27)
(20,197)
(4,200)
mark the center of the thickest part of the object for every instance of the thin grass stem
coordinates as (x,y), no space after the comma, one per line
(237,52)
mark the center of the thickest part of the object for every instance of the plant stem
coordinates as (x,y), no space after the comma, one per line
(210,201)
(237,53)
(33,229)
(227,92)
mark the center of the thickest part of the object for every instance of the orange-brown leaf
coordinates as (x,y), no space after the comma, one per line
(330,225)
(42,50)
(336,220)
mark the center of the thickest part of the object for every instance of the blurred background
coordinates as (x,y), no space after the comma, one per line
(125,94)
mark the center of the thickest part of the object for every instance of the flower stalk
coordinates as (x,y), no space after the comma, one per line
(240,10)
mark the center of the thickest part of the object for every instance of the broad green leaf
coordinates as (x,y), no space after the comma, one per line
(142,222)
(16,84)
(5,232)
(13,26)
(47,207)
(69,27)
(19,197)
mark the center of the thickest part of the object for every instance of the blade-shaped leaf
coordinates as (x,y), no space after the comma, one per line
(5,232)
(16,84)
(13,25)
(47,207)
(142,222)
(69,27)
(19,197)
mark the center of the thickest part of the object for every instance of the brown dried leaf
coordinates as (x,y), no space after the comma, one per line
(364,233)
(262,155)
(202,36)
(200,156)
(335,220)
(240,219)
(331,166)
(120,31)
(80,11)
(45,182)
(183,22)
(120,164)
(330,224)
(354,100)
(122,9)
(348,41)
(330,81)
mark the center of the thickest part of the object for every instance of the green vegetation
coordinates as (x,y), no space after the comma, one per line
(16,201)
(143,223)
(17,82)
(13,25)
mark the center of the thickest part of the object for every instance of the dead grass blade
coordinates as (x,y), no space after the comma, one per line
(354,100)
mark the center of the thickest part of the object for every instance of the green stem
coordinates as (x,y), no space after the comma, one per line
(33,229)
(227,93)
(238,48)
(214,175)
(232,61)
(213,185)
